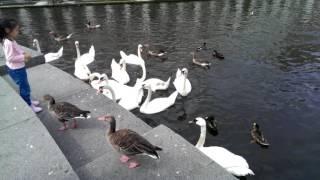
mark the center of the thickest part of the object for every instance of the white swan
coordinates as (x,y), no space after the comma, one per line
(132,97)
(154,83)
(157,105)
(233,163)
(132,58)
(157,84)
(119,72)
(119,89)
(182,83)
(49,56)
(97,80)
(110,91)
(81,69)
(86,58)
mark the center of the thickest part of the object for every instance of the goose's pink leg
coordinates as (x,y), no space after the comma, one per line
(64,127)
(74,125)
(124,159)
(133,164)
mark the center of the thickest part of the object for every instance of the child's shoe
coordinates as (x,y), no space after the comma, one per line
(34,102)
(35,108)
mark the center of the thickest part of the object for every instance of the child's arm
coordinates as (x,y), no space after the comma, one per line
(10,53)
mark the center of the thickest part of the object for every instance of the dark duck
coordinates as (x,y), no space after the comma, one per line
(128,143)
(65,112)
(212,127)
(258,136)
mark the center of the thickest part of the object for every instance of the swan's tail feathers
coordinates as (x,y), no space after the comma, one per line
(86,114)
(123,55)
(240,171)
(69,36)
(60,52)
(168,81)
(157,148)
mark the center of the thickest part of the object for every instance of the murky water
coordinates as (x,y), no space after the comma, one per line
(271,73)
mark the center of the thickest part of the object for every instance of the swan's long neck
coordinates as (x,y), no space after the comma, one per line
(202,138)
(112,92)
(184,81)
(144,74)
(139,52)
(38,47)
(78,52)
(148,97)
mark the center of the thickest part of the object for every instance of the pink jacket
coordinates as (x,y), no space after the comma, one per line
(14,54)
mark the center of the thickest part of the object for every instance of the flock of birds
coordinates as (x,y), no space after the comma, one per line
(125,141)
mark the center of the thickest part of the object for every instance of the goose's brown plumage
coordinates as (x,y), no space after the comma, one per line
(257,135)
(128,142)
(65,111)
(196,61)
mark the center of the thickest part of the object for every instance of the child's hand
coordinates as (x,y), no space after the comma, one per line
(27,57)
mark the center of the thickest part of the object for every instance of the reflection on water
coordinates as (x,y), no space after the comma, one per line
(270,74)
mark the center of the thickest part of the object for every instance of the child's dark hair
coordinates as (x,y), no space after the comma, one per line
(6,24)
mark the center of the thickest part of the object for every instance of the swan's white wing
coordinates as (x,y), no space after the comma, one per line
(159,104)
(114,65)
(227,159)
(53,56)
(119,74)
(92,51)
(123,55)
(178,73)
(69,36)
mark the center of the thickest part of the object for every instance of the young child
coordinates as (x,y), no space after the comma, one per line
(16,58)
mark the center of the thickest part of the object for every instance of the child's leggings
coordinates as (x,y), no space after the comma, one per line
(20,77)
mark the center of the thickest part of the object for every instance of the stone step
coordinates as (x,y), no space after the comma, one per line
(86,143)
(179,160)
(27,150)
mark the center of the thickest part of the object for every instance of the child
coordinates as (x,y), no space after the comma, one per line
(16,58)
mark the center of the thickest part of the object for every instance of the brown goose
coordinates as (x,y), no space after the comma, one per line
(60,38)
(204,64)
(65,111)
(129,143)
(257,135)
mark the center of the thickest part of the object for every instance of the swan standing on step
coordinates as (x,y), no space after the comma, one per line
(132,58)
(49,56)
(182,83)
(81,69)
(119,72)
(157,105)
(233,163)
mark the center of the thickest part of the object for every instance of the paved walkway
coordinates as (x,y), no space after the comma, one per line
(27,150)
